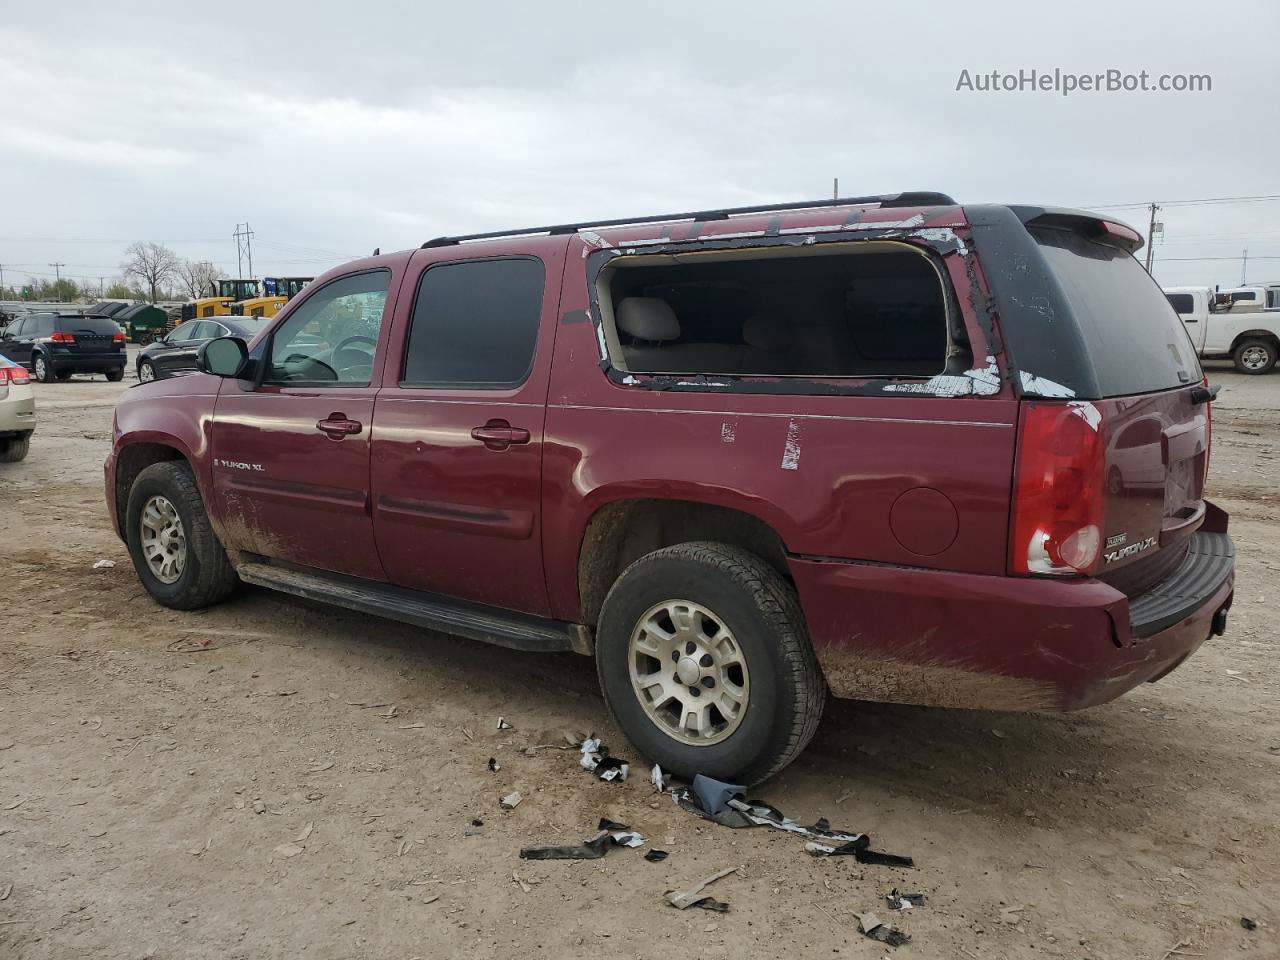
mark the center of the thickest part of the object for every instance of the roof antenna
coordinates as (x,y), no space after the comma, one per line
(376,251)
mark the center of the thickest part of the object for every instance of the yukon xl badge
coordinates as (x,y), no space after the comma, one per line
(1114,555)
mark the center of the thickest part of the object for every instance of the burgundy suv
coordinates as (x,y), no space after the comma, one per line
(891,447)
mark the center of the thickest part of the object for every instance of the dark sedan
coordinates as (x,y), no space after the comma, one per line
(175,353)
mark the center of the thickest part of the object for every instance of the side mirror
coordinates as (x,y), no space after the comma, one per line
(223,357)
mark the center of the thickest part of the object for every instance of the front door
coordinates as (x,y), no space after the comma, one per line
(291,455)
(457,434)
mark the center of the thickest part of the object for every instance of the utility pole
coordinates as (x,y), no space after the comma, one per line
(101,287)
(1,276)
(835,188)
(1151,238)
(1244,268)
(244,247)
(57,271)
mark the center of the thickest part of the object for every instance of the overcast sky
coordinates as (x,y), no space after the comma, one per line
(334,128)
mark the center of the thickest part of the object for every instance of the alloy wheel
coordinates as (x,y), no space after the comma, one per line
(164,542)
(689,672)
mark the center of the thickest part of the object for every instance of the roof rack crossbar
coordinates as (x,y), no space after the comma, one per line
(918,198)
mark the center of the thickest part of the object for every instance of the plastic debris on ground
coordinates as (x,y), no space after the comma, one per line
(872,928)
(103,564)
(595,757)
(656,856)
(694,896)
(1248,924)
(494,766)
(511,800)
(725,804)
(657,779)
(610,835)
(504,725)
(903,901)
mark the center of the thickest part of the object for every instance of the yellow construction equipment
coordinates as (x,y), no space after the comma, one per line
(224,294)
(276,292)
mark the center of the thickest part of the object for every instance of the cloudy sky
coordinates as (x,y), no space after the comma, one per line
(334,128)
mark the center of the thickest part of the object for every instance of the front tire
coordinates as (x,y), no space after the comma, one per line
(44,369)
(1254,356)
(175,553)
(146,371)
(705,663)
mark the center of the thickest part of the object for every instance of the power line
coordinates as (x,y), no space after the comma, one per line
(1178,203)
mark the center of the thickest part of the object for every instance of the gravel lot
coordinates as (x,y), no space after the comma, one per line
(306,783)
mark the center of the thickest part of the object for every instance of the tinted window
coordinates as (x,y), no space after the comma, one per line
(475,323)
(1182,302)
(15,329)
(1134,340)
(333,335)
(1245,295)
(42,326)
(99,325)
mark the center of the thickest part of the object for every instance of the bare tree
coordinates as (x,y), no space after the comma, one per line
(151,264)
(196,276)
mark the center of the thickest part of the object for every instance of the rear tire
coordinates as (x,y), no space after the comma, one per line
(205,575)
(734,601)
(63,374)
(13,449)
(1254,356)
(115,376)
(43,369)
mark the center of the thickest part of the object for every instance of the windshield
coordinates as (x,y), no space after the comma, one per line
(1133,337)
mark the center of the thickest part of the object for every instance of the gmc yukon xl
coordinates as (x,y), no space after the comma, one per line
(890,448)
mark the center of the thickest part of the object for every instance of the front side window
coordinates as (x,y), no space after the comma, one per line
(331,338)
(475,324)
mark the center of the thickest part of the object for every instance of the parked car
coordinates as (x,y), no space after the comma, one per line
(744,457)
(175,352)
(1230,324)
(17,411)
(56,345)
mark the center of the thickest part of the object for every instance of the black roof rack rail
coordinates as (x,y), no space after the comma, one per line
(917,198)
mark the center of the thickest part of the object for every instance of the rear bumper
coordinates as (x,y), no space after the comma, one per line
(18,410)
(88,362)
(907,635)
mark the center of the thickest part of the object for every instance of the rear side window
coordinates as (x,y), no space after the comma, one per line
(475,324)
(1182,302)
(99,325)
(1134,340)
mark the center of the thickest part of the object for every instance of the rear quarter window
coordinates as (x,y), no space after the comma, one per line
(1133,338)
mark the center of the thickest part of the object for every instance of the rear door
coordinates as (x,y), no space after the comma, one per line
(92,338)
(458,430)
(291,455)
(1151,413)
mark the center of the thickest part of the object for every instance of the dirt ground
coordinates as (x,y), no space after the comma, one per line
(306,784)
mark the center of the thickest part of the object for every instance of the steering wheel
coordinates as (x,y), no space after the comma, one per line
(356,358)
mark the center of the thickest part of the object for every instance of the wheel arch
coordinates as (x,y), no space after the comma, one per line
(623,529)
(134,457)
(1269,335)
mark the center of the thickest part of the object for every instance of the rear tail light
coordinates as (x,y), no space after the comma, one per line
(14,375)
(1208,438)
(61,338)
(117,338)
(1058,490)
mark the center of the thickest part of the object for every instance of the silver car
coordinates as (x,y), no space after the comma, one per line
(17,410)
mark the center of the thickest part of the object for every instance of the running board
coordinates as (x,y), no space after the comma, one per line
(505,628)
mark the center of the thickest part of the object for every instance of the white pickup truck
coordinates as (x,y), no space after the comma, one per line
(1242,324)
